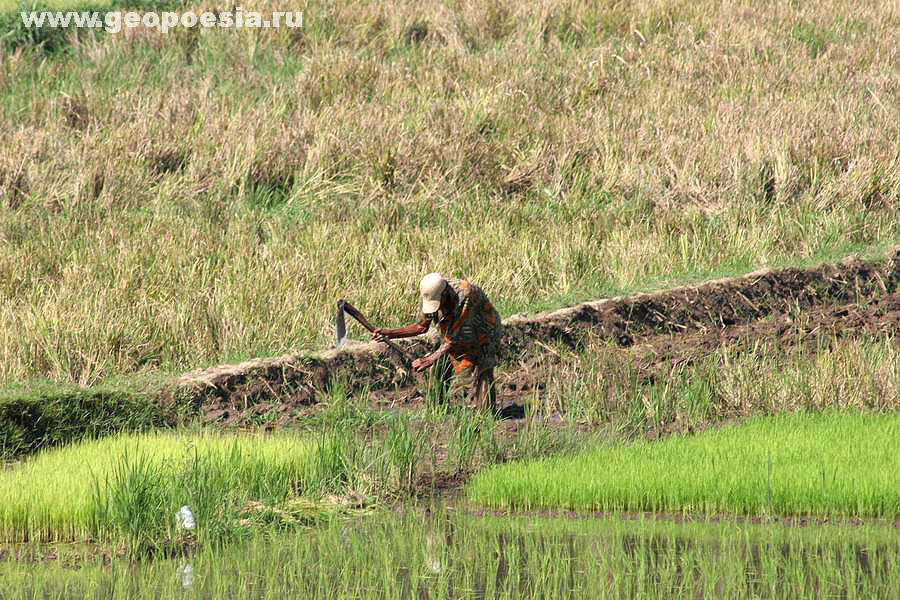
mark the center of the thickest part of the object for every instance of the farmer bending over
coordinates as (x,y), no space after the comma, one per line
(470,334)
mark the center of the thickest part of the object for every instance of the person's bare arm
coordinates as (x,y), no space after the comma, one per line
(420,364)
(382,334)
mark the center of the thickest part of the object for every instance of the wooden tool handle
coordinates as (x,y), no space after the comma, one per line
(353,312)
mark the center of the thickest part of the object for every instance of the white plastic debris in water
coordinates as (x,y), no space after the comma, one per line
(187,575)
(432,559)
(185,517)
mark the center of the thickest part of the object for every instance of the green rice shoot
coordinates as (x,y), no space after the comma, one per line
(67,493)
(799,464)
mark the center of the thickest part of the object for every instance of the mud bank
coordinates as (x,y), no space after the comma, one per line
(705,314)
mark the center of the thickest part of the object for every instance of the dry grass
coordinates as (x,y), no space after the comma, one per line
(181,200)
(771,378)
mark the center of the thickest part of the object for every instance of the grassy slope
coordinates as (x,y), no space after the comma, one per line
(38,415)
(828,464)
(96,487)
(171,202)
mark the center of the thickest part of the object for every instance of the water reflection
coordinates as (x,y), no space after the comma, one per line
(628,563)
(447,554)
(187,575)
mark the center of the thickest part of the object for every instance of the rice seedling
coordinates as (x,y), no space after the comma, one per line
(131,486)
(466,429)
(34,416)
(795,464)
(400,455)
(537,438)
(341,411)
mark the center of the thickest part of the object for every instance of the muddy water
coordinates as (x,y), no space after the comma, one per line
(448,554)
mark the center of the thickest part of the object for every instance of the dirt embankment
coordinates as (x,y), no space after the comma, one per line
(656,357)
(852,296)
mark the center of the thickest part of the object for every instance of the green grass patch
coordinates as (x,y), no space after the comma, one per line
(800,464)
(815,38)
(43,415)
(14,34)
(630,396)
(130,486)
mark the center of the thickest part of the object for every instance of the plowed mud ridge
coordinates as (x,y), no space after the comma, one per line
(849,298)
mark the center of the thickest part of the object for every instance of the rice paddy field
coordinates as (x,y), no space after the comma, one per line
(205,196)
(132,485)
(831,464)
(799,504)
(173,205)
(441,554)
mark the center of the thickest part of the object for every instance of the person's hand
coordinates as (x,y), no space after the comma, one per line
(379,335)
(420,364)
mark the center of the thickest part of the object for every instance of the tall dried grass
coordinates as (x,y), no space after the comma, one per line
(170,201)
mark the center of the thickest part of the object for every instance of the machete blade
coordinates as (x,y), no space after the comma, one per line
(340,325)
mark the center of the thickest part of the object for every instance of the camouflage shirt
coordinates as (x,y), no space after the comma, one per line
(473,330)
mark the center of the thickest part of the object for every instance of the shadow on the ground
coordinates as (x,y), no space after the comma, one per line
(512,411)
